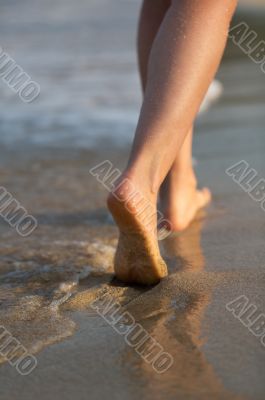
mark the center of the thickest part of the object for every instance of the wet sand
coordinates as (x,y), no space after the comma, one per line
(85,115)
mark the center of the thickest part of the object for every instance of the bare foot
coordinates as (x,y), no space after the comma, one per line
(181,200)
(137,258)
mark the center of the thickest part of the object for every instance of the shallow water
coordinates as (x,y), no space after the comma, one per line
(90,91)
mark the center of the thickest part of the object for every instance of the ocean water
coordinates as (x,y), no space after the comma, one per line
(33,292)
(82,55)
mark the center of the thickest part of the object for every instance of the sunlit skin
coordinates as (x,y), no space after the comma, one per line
(182,47)
(180,199)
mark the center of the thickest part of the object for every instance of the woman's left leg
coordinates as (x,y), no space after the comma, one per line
(180,198)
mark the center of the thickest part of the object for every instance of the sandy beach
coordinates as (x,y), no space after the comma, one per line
(85,114)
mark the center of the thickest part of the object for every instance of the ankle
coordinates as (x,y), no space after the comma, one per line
(134,185)
(178,180)
(132,195)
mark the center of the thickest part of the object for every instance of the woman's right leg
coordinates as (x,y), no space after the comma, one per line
(183,61)
(180,197)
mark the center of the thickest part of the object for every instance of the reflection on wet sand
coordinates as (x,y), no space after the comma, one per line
(183,251)
(173,313)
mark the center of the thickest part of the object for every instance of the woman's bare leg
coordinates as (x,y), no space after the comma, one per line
(183,61)
(180,198)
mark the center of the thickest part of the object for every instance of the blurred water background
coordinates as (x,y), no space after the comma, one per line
(82,53)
